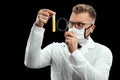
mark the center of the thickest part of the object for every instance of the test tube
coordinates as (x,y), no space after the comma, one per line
(53,24)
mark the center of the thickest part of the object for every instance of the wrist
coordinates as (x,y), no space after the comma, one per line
(72,51)
(39,24)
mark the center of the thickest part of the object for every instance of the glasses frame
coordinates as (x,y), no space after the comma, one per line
(78,25)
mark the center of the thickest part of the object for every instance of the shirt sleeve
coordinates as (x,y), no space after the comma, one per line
(35,57)
(86,71)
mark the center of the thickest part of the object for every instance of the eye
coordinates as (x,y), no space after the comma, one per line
(71,23)
(80,24)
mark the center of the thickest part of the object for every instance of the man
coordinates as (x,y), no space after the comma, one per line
(92,61)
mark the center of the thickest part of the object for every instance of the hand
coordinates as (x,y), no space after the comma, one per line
(71,41)
(43,16)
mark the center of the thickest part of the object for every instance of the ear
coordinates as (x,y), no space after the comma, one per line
(92,28)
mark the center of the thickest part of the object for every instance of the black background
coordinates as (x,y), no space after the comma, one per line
(18,20)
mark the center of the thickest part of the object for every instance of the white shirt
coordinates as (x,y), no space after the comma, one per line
(92,62)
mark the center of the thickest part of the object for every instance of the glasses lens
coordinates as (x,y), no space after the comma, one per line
(70,24)
(78,25)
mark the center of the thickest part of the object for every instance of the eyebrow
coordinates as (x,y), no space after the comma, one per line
(76,22)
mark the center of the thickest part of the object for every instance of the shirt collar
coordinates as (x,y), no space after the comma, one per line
(90,43)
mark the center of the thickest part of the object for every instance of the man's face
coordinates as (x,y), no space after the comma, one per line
(82,20)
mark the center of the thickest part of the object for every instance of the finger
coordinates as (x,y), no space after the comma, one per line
(51,13)
(72,32)
(70,38)
(43,20)
(67,41)
(69,34)
(44,13)
(43,17)
(65,34)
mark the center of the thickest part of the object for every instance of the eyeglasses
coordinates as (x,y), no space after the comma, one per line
(78,25)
